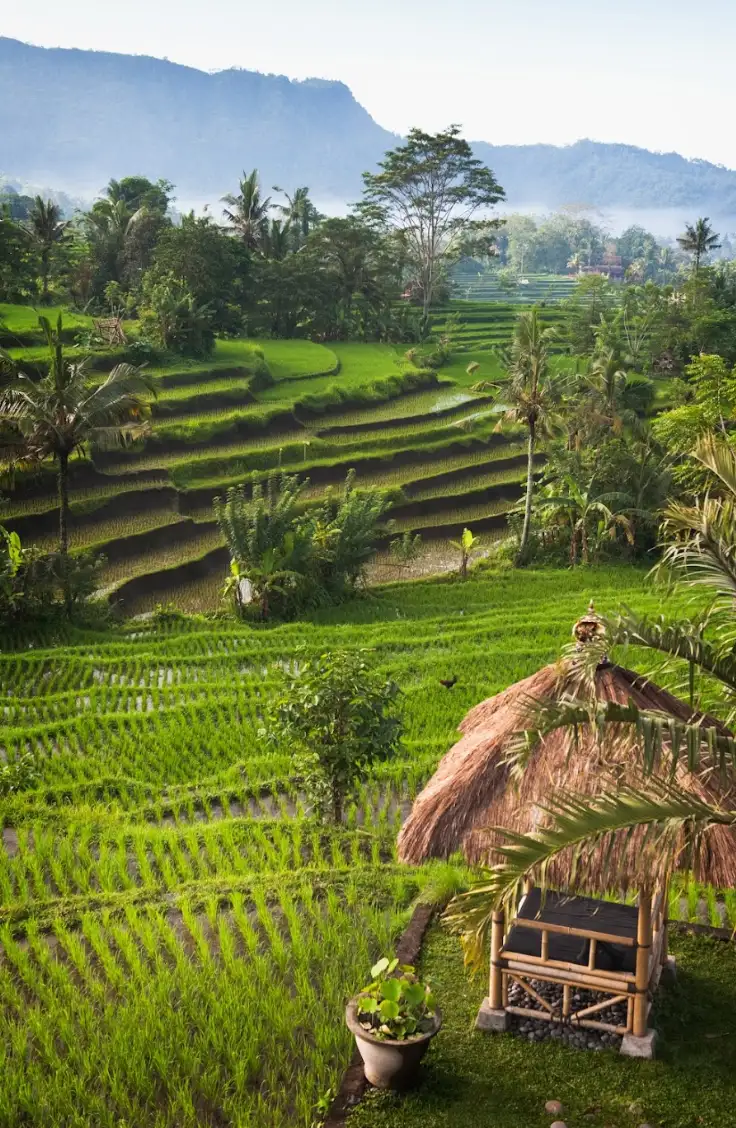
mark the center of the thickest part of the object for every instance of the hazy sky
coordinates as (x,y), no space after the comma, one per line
(656,73)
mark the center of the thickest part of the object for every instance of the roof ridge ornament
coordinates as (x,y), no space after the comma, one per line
(590,628)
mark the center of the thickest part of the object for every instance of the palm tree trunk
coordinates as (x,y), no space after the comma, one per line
(524,544)
(45,276)
(63,482)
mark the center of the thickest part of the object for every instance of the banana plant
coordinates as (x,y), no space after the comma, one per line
(465,546)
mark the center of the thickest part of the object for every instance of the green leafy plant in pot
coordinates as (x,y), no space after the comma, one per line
(393,1019)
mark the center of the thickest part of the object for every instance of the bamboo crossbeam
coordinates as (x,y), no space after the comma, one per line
(569,930)
(564,965)
(588,1023)
(530,991)
(580,977)
(598,1007)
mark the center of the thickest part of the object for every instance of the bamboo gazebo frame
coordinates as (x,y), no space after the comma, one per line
(480,786)
(639,933)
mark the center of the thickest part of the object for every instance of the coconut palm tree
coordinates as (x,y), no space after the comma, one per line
(299,213)
(606,379)
(68,410)
(110,225)
(530,397)
(47,229)
(247,212)
(701,555)
(275,240)
(699,239)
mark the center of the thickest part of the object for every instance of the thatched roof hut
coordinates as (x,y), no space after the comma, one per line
(475,788)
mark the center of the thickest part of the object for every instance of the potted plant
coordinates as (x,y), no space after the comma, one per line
(393,1019)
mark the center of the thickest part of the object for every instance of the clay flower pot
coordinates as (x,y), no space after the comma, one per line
(390,1063)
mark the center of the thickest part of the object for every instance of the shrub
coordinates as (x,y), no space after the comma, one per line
(32,583)
(18,775)
(173,320)
(336,718)
(284,555)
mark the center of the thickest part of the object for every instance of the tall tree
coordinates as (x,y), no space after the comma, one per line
(247,211)
(109,227)
(212,266)
(67,410)
(140,192)
(429,189)
(47,229)
(18,275)
(530,397)
(699,239)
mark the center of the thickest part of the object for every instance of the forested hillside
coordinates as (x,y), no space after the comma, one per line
(200,130)
(196,129)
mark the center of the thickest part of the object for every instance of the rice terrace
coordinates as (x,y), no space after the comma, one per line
(367,669)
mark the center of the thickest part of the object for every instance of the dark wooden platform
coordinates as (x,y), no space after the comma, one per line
(563,910)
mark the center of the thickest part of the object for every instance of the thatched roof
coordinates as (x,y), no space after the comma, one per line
(475,788)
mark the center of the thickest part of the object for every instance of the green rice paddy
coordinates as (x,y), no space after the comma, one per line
(257,405)
(177,937)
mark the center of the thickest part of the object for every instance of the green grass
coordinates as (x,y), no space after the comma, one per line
(21,321)
(328,409)
(360,366)
(285,358)
(20,507)
(499,1081)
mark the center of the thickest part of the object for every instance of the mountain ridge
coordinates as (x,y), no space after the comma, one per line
(75,118)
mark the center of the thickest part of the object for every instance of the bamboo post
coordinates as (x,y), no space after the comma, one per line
(663,924)
(566,1001)
(643,947)
(592,953)
(495,992)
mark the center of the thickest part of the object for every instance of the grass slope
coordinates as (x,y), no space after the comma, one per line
(500,1081)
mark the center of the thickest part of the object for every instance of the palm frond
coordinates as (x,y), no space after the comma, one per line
(659,824)
(720,458)
(677,639)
